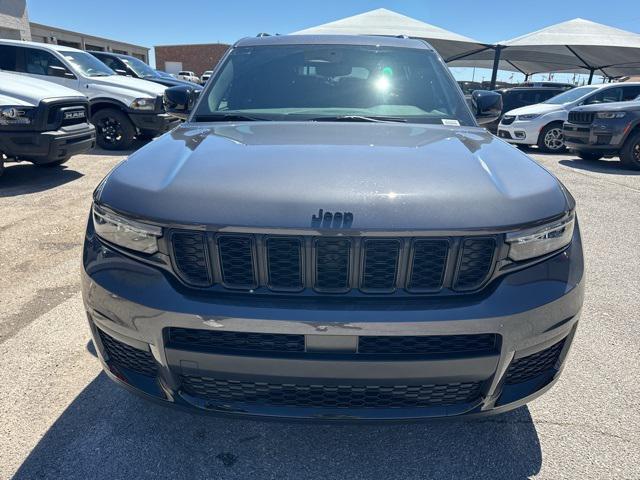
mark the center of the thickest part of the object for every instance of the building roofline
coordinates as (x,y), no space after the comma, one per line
(87,35)
(194,44)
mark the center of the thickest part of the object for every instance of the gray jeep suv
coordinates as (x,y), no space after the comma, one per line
(331,236)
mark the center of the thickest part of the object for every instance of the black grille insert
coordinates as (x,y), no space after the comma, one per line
(236,261)
(429,344)
(284,257)
(330,396)
(129,357)
(581,117)
(508,119)
(380,264)
(191,257)
(428,265)
(531,366)
(476,262)
(192,339)
(332,264)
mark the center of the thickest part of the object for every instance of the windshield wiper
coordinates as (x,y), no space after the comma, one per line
(357,118)
(228,117)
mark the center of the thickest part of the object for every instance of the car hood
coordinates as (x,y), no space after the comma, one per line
(137,85)
(173,82)
(26,91)
(538,108)
(608,107)
(390,176)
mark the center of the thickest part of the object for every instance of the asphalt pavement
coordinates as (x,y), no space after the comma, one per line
(61,418)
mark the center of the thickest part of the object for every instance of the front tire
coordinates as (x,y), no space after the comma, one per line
(114,130)
(590,156)
(630,152)
(551,139)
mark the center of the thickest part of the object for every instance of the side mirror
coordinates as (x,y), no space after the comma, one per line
(119,71)
(486,106)
(61,72)
(179,101)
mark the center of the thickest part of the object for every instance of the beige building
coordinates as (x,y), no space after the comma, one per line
(14,24)
(14,21)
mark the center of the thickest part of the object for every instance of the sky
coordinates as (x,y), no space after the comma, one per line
(168,22)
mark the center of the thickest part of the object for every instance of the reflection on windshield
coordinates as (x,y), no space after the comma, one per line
(304,82)
(88,64)
(570,95)
(139,67)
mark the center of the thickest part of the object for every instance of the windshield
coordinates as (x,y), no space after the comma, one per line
(298,82)
(87,64)
(570,95)
(139,67)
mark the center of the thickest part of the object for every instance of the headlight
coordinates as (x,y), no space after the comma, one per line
(143,104)
(610,114)
(125,232)
(541,240)
(15,115)
(528,116)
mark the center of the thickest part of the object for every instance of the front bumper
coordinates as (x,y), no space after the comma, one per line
(533,313)
(522,132)
(157,123)
(47,147)
(602,136)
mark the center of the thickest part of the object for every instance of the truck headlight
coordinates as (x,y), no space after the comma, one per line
(538,241)
(125,232)
(528,116)
(608,115)
(17,115)
(144,103)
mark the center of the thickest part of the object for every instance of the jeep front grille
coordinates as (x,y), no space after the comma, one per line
(332,265)
(581,117)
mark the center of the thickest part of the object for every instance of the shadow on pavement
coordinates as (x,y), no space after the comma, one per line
(611,167)
(23,178)
(109,433)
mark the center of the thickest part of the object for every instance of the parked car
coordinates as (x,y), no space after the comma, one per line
(331,236)
(205,76)
(134,67)
(41,122)
(596,131)
(562,85)
(188,76)
(541,124)
(516,97)
(120,107)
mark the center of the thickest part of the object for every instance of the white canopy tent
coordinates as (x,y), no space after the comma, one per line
(389,23)
(576,45)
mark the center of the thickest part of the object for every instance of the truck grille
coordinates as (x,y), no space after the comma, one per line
(330,396)
(332,265)
(581,117)
(254,343)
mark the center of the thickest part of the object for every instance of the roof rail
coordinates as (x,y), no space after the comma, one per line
(403,36)
(263,34)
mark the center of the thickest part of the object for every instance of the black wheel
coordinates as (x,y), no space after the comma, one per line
(57,163)
(1,165)
(551,139)
(630,152)
(114,130)
(590,155)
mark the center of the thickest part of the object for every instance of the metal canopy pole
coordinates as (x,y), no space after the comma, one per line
(496,64)
(591,75)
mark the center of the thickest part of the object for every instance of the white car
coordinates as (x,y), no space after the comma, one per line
(41,122)
(541,124)
(120,107)
(206,76)
(188,76)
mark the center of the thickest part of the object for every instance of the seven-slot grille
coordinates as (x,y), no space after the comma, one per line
(581,117)
(332,264)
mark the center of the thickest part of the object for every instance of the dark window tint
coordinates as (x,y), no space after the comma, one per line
(8,54)
(630,93)
(112,63)
(38,61)
(607,95)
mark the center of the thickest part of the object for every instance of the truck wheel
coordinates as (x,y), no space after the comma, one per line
(551,139)
(630,152)
(590,155)
(114,130)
